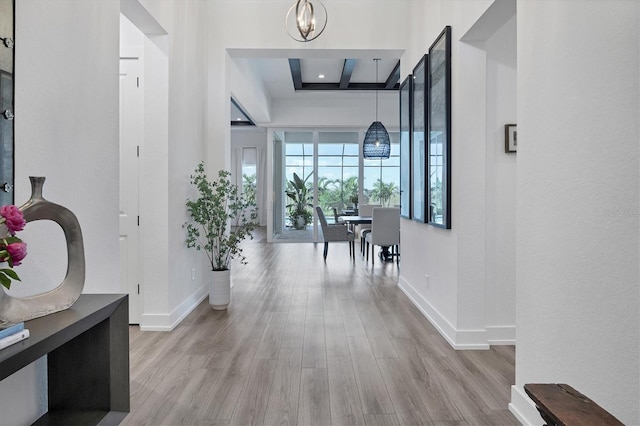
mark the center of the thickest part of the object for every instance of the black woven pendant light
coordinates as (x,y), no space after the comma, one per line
(376,141)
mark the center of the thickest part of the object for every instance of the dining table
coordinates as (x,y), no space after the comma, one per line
(356,220)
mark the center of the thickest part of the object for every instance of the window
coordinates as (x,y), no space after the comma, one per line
(249,172)
(326,168)
(298,154)
(338,156)
(382,177)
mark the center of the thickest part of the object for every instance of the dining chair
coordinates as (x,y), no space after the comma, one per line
(364,229)
(385,230)
(335,232)
(336,217)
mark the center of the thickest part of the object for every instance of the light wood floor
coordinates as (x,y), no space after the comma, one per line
(309,343)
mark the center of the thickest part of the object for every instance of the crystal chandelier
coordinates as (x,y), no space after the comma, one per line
(306,20)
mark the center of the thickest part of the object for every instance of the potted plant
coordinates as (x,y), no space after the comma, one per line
(222,216)
(302,198)
(354,201)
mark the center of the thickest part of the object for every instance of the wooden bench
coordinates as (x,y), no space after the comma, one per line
(562,405)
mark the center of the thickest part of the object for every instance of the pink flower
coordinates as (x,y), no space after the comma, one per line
(17,252)
(13,218)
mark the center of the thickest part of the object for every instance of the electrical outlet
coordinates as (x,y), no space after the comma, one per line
(193,274)
(426,280)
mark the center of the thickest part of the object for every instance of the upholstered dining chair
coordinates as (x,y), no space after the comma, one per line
(335,232)
(385,230)
(364,229)
(336,217)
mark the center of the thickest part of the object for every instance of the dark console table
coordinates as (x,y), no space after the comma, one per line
(87,348)
(559,404)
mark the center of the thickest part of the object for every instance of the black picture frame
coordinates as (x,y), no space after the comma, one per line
(406,121)
(418,141)
(510,138)
(439,131)
(7,95)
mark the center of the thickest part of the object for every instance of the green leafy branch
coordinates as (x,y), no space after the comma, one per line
(222,217)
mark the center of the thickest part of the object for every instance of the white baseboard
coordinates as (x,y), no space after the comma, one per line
(458,339)
(523,408)
(167,322)
(501,335)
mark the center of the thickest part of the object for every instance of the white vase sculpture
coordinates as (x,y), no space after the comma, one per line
(16,309)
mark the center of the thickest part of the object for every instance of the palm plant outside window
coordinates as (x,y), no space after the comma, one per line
(382,178)
(338,171)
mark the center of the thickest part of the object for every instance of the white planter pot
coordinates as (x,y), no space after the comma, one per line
(220,289)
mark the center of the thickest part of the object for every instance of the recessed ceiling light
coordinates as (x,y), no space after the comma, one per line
(321,76)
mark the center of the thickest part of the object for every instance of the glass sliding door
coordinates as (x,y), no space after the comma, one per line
(326,168)
(296,186)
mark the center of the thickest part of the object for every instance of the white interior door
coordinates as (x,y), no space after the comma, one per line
(131,134)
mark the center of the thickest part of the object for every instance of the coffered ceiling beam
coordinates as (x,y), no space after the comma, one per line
(394,77)
(392,82)
(352,86)
(296,73)
(347,70)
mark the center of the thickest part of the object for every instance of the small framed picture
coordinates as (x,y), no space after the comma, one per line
(510,138)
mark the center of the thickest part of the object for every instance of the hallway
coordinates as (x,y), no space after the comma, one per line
(304,342)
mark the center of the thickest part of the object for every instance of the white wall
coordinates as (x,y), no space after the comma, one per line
(248,90)
(169,292)
(154,183)
(67,126)
(248,136)
(469,294)
(500,272)
(153,162)
(358,110)
(577,211)
(66,129)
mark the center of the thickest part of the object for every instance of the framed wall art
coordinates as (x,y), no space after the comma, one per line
(439,131)
(418,144)
(510,138)
(406,97)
